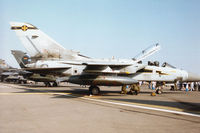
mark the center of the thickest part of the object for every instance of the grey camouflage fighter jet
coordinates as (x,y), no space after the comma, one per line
(22,58)
(51,58)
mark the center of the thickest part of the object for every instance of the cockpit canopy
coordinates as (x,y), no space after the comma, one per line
(156,63)
(165,64)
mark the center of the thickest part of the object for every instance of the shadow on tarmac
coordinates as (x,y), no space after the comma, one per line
(78,92)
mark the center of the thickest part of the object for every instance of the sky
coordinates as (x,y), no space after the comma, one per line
(106,28)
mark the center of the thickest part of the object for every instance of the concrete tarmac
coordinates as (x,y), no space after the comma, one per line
(69,108)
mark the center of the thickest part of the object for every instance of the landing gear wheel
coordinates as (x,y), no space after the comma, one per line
(94,90)
(55,84)
(47,84)
(137,92)
(158,91)
(19,82)
(2,79)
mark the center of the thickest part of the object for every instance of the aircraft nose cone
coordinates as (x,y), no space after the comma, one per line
(193,77)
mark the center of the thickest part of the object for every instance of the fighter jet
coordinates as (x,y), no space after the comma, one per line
(79,69)
(10,74)
(22,58)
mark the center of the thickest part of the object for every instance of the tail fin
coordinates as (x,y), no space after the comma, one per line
(37,43)
(21,57)
(4,65)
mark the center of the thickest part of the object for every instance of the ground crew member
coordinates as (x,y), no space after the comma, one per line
(187,87)
(175,86)
(135,88)
(123,90)
(150,85)
(159,87)
(192,86)
(153,85)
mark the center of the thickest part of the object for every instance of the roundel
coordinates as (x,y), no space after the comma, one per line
(24,28)
(25,59)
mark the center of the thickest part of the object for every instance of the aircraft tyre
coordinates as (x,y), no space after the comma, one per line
(94,90)
(47,84)
(19,82)
(2,79)
(137,92)
(55,84)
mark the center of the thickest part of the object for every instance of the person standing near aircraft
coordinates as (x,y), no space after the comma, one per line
(123,89)
(135,88)
(198,84)
(153,85)
(150,85)
(187,87)
(192,86)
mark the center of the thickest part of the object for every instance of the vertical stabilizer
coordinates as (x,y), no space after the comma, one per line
(38,44)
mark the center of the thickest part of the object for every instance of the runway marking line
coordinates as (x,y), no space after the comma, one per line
(148,105)
(142,107)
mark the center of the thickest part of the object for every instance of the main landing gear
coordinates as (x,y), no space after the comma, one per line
(55,84)
(134,89)
(48,84)
(94,90)
(123,90)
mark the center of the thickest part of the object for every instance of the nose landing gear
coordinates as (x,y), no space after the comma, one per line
(94,90)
